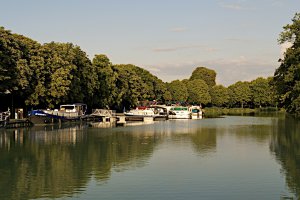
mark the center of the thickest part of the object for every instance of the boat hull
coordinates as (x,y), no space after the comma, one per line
(41,117)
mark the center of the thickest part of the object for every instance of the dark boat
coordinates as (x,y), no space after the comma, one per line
(68,112)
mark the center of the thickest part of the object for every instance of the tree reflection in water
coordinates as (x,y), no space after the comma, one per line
(50,162)
(285,144)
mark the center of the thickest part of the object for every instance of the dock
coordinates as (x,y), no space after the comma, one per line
(16,123)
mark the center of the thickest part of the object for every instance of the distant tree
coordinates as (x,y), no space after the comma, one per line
(273,98)
(261,92)
(128,86)
(185,81)
(240,93)
(287,76)
(16,67)
(104,87)
(15,51)
(154,88)
(219,95)
(59,74)
(203,73)
(167,96)
(178,91)
(198,92)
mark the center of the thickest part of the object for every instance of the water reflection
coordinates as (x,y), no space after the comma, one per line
(57,162)
(49,161)
(204,141)
(285,145)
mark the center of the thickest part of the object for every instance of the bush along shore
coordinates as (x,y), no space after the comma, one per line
(217,112)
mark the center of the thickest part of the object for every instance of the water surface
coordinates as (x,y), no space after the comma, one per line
(221,158)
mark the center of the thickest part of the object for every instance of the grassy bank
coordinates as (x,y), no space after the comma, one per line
(215,111)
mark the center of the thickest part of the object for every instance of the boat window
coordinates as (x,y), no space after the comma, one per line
(67,107)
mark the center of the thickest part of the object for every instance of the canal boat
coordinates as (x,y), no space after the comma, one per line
(196,112)
(4,117)
(140,112)
(67,112)
(179,112)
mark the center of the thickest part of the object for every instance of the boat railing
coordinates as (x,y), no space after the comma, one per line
(61,113)
(104,112)
(4,116)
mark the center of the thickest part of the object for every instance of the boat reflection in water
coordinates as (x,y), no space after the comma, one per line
(78,161)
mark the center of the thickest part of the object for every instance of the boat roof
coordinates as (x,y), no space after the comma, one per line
(74,104)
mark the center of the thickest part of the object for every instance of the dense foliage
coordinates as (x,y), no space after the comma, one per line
(219,96)
(287,76)
(178,91)
(37,75)
(198,92)
(208,75)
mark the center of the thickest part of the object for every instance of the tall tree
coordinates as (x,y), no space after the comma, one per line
(261,92)
(128,87)
(105,88)
(203,73)
(240,93)
(16,53)
(59,74)
(178,91)
(287,76)
(219,95)
(198,92)
(154,88)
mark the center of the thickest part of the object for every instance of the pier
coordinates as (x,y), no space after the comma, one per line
(16,123)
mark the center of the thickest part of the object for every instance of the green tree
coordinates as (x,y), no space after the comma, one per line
(287,76)
(198,92)
(167,96)
(9,56)
(261,92)
(128,87)
(178,91)
(240,93)
(219,95)
(16,53)
(104,88)
(208,75)
(154,88)
(83,82)
(58,74)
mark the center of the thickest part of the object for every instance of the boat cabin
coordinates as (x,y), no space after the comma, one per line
(74,108)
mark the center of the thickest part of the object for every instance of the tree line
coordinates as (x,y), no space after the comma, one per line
(35,75)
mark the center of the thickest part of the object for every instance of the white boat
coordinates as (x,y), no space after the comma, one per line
(196,112)
(139,114)
(179,112)
(4,117)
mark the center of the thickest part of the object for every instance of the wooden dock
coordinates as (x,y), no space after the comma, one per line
(16,123)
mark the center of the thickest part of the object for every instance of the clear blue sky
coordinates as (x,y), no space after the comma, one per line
(170,38)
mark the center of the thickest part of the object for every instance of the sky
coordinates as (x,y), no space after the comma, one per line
(169,38)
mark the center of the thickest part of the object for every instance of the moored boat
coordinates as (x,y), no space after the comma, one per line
(196,112)
(67,112)
(4,117)
(179,112)
(138,114)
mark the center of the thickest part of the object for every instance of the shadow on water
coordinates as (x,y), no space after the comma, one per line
(54,162)
(59,162)
(285,145)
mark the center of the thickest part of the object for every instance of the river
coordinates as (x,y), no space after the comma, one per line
(232,157)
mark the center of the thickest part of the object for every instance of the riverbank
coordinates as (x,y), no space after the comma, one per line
(215,111)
